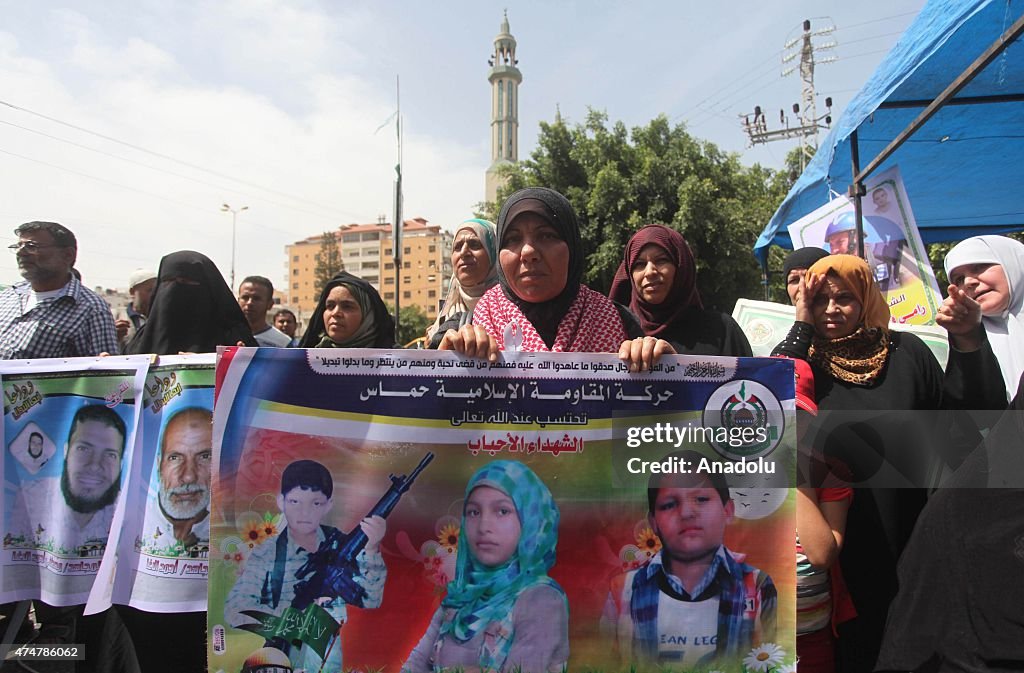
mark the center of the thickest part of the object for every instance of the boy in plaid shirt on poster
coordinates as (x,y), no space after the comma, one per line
(694,602)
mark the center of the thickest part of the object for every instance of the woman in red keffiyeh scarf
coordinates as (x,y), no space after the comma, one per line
(539,303)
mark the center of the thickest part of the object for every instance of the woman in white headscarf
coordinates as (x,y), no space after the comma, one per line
(986,301)
(474,271)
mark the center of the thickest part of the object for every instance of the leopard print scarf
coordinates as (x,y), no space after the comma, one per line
(858,358)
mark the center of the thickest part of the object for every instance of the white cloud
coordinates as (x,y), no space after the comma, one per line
(314,139)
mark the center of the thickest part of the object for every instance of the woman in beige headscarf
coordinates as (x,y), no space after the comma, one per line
(474,271)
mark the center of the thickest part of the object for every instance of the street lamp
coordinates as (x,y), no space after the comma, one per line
(234,220)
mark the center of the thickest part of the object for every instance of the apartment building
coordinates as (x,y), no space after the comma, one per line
(367,251)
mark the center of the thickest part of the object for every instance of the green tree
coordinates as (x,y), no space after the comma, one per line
(412,323)
(618,180)
(328,260)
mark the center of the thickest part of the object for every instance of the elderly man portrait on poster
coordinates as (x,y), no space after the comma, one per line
(179,518)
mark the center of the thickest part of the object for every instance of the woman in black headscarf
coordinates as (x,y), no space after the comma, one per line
(349,314)
(192,310)
(540,303)
(795,266)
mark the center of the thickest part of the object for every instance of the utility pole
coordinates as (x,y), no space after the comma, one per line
(234,221)
(808,121)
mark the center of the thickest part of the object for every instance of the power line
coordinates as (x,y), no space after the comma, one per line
(163,170)
(204,209)
(884,18)
(170,158)
(771,63)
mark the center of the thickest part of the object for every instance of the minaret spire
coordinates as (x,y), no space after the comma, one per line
(505,78)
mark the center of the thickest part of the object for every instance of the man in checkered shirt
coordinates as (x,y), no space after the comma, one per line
(51,315)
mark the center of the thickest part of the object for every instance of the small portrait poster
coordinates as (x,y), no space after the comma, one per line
(892,245)
(68,436)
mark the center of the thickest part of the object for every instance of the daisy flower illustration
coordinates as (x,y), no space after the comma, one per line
(763,657)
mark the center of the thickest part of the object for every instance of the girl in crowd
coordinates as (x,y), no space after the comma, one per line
(986,301)
(842,330)
(475,267)
(192,310)
(349,314)
(657,280)
(539,303)
(502,611)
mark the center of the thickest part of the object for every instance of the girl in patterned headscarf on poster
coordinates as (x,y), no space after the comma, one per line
(502,611)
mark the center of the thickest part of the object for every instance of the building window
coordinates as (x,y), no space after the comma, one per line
(387,252)
(389,295)
(371,236)
(295,286)
(389,280)
(407,250)
(432,264)
(295,258)
(432,248)
(371,279)
(407,295)
(350,238)
(354,253)
(406,265)
(371,265)
(431,293)
(295,272)
(407,280)
(389,265)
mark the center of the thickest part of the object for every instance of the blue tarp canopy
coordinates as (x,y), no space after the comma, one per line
(964,169)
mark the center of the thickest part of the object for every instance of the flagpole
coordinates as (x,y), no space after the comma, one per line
(396,235)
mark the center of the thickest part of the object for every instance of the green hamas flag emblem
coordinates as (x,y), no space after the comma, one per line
(745,418)
(313,626)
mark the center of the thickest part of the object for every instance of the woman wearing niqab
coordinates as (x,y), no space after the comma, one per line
(193,310)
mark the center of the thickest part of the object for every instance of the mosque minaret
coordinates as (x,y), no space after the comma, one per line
(505,79)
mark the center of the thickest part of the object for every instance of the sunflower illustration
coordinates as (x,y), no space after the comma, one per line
(449,537)
(269,525)
(648,541)
(252,529)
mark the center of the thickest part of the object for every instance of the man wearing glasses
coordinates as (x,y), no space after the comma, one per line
(51,315)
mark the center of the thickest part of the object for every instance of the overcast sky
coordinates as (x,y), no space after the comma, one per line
(134,120)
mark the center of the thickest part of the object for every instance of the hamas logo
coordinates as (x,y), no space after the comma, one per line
(746,418)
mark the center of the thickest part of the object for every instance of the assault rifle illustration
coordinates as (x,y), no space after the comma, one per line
(332,568)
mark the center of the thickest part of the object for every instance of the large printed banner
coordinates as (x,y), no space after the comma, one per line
(892,245)
(68,431)
(485,474)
